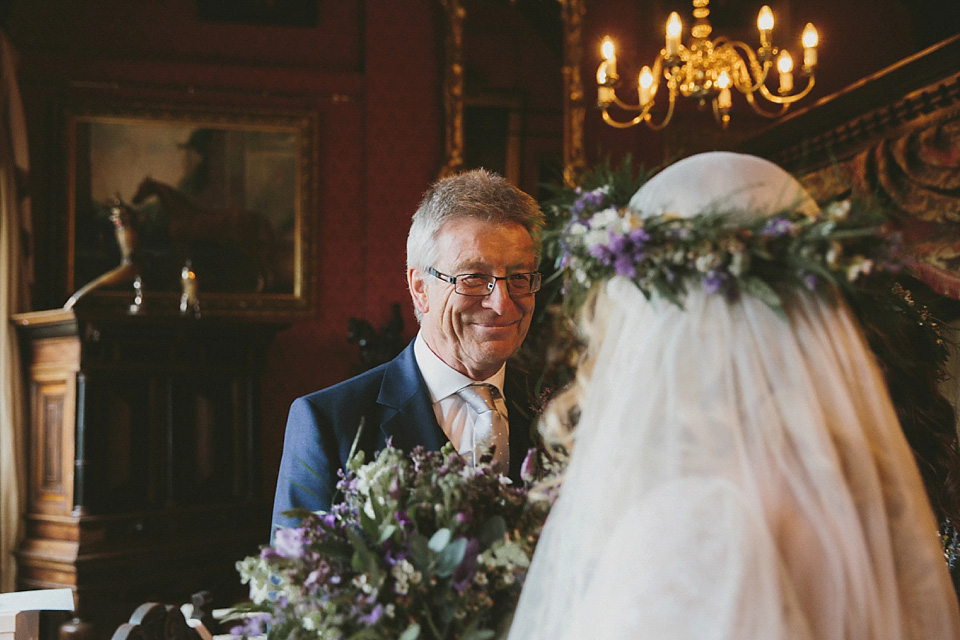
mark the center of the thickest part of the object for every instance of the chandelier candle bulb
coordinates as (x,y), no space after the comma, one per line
(765,24)
(674,30)
(602,74)
(810,40)
(724,100)
(609,58)
(645,85)
(785,67)
(708,71)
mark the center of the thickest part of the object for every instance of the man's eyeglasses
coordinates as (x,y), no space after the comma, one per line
(480,284)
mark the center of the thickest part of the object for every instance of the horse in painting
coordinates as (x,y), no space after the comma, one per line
(247,233)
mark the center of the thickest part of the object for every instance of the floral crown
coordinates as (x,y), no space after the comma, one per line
(728,252)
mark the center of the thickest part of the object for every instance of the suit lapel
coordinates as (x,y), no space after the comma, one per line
(408,417)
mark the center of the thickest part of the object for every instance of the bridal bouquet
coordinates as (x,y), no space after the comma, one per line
(422,545)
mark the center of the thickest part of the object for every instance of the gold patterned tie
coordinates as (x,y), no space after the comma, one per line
(490,429)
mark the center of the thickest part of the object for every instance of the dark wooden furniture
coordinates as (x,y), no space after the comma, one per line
(143,457)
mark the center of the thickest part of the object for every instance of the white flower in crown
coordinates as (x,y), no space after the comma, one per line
(596,237)
(739,263)
(833,254)
(577,229)
(860,266)
(837,210)
(605,218)
(708,262)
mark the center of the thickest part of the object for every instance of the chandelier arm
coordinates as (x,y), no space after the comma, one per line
(750,67)
(787,100)
(763,112)
(626,106)
(672,100)
(621,125)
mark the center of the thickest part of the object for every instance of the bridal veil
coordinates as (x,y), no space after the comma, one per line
(736,474)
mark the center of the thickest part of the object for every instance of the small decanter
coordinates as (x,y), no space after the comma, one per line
(189,300)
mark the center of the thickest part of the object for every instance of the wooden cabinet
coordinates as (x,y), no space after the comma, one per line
(143,457)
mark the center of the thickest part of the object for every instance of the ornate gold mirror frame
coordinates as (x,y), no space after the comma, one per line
(572,12)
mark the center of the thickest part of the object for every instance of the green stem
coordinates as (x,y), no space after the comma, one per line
(430,623)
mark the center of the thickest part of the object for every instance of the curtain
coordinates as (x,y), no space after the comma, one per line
(15,282)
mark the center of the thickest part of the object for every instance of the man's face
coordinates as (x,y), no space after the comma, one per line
(475,335)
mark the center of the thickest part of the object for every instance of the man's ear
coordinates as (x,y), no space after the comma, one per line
(418,289)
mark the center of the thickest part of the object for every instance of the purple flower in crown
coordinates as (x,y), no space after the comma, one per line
(602,253)
(715,280)
(810,280)
(617,243)
(678,231)
(624,266)
(776,227)
(639,237)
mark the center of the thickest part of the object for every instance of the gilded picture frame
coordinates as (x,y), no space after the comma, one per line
(229,194)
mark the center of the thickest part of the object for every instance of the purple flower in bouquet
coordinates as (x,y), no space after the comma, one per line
(529,466)
(288,542)
(465,571)
(422,543)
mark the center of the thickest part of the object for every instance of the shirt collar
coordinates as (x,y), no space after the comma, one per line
(443,381)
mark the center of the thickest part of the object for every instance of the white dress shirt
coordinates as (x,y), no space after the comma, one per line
(453,414)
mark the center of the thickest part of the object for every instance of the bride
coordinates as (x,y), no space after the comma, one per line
(739,471)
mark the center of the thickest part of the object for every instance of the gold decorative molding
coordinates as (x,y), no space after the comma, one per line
(574,112)
(453,87)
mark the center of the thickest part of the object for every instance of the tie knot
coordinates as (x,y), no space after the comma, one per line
(479,397)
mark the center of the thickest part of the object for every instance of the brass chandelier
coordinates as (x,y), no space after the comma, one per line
(707,70)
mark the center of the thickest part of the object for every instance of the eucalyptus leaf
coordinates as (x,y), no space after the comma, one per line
(440,540)
(493,529)
(386,532)
(370,525)
(364,560)
(450,557)
(760,289)
(419,550)
(410,633)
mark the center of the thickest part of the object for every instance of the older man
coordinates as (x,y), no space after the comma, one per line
(472,255)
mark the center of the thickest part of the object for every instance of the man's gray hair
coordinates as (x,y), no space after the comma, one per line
(478,194)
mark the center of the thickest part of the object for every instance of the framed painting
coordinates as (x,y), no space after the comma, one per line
(227,194)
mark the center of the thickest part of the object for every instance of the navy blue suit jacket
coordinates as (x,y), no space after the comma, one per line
(393,402)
